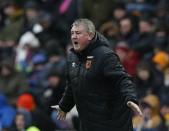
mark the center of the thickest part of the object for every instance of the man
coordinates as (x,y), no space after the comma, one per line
(97,83)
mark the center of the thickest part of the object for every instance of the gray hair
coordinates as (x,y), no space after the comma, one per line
(88,24)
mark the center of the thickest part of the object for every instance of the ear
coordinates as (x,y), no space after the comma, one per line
(90,36)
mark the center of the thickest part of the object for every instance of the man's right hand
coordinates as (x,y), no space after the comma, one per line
(61,115)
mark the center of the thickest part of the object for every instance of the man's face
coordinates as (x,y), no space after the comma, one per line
(80,37)
(5,71)
(144,27)
(119,13)
(125,26)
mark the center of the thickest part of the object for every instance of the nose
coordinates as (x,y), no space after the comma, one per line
(74,36)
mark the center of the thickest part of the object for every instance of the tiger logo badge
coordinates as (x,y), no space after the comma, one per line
(89,62)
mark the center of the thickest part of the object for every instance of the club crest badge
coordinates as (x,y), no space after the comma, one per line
(73,64)
(89,62)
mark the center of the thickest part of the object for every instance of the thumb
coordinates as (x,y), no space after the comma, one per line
(55,107)
(135,108)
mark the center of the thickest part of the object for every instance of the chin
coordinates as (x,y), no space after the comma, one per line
(77,50)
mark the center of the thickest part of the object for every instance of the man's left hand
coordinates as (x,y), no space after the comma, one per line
(135,108)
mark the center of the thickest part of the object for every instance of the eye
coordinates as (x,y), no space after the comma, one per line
(71,32)
(78,32)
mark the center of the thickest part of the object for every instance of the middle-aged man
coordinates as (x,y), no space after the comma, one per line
(97,84)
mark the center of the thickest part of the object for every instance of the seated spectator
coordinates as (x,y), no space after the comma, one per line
(28,45)
(119,11)
(37,75)
(53,91)
(11,17)
(31,10)
(151,119)
(164,90)
(165,112)
(161,40)
(7,113)
(162,16)
(111,31)
(128,32)
(19,123)
(27,101)
(145,43)
(56,59)
(128,57)
(12,83)
(145,80)
(12,23)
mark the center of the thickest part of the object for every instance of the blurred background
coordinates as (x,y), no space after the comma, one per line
(34,41)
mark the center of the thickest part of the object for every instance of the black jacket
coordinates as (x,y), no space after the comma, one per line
(100,89)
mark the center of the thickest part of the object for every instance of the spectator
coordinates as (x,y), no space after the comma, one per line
(165,112)
(7,113)
(28,45)
(37,75)
(161,40)
(145,80)
(53,91)
(128,57)
(27,101)
(12,23)
(111,32)
(145,41)
(31,10)
(12,83)
(19,123)
(151,119)
(128,32)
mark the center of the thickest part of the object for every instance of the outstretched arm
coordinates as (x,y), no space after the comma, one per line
(114,71)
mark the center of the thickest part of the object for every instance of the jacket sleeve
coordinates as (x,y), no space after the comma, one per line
(67,101)
(122,82)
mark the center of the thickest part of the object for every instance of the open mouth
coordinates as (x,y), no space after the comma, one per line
(75,42)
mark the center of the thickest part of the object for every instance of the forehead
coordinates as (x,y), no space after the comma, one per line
(79,27)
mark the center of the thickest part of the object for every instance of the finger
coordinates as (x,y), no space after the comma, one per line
(137,110)
(55,106)
(62,118)
(59,117)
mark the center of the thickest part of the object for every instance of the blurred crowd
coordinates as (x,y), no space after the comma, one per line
(34,42)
